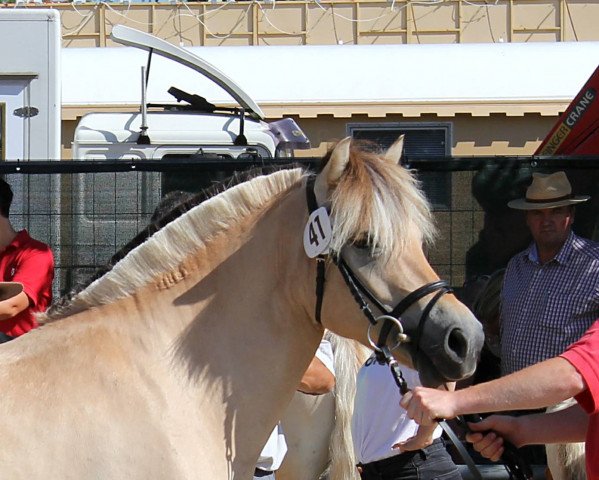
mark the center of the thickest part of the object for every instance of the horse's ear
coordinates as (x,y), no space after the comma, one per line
(393,155)
(333,170)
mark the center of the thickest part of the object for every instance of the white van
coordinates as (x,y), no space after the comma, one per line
(190,125)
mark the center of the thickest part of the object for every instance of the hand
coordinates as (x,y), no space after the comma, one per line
(423,438)
(426,405)
(494,430)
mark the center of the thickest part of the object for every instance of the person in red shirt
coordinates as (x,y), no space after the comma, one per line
(574,373)
(28,262)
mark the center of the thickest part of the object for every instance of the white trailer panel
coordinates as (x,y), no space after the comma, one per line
(30,84)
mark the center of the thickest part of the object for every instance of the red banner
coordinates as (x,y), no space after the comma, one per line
(577,130)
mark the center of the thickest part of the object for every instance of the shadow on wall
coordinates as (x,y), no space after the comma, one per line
(504,231)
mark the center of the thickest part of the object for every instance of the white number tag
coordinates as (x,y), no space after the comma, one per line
(318,233)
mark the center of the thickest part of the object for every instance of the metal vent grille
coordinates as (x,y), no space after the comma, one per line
(422,141)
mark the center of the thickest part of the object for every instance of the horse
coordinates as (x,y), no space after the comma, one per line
(178,362)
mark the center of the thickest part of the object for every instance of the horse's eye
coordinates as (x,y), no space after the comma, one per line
(363,242)
(366,244)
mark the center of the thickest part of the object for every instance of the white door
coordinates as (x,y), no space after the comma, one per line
(14,123)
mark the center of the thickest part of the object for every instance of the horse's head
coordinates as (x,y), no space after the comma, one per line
(380,221)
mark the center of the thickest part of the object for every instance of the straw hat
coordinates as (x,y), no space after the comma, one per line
(547,191)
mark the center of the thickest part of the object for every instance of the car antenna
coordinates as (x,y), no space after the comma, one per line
(143,138)
(241,140)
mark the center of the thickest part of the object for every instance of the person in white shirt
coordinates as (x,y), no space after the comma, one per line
(318,379)
(387,444)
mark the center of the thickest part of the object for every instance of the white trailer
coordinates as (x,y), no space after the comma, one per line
(30,84)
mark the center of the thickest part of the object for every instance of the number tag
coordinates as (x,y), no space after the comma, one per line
(318,233)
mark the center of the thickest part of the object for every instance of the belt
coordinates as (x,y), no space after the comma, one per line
(379,465)
(258,472)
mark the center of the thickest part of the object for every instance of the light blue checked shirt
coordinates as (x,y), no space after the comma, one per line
(545,308)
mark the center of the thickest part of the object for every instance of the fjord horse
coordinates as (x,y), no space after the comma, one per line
(179,361)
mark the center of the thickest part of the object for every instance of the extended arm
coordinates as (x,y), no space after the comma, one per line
(563,426)
(534,387)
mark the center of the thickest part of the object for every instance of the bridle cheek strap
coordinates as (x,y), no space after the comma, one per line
(320,281)
(359,291)
(320,259)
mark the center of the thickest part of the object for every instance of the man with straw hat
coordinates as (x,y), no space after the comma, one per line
(550,294)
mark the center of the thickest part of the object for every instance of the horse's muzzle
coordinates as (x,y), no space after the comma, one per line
(455,358)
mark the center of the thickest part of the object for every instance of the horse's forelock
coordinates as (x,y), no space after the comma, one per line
(382,199)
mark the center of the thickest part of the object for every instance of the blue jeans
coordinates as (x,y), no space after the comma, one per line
(430,463)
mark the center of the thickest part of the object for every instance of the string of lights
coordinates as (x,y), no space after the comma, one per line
(268,9)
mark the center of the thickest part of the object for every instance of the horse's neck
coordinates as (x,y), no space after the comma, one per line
(237,328)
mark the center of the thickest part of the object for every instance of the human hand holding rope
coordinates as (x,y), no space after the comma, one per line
(487,436)
(426,406)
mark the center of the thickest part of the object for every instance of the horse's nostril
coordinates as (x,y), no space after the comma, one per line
(457,343)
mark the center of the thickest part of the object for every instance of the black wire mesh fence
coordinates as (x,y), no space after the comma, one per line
(87,211)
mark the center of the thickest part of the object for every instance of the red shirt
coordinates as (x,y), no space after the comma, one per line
(584,355)
(31,263)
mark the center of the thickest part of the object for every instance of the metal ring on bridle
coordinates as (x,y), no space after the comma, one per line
(402,337)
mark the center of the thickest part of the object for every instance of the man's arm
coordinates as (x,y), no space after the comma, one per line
(533,387)
(13,306)
(317,379)
(563,426)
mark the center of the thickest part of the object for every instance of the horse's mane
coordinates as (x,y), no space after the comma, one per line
(163,245)
(373,197)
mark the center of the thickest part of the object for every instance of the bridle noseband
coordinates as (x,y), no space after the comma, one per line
(359,291)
